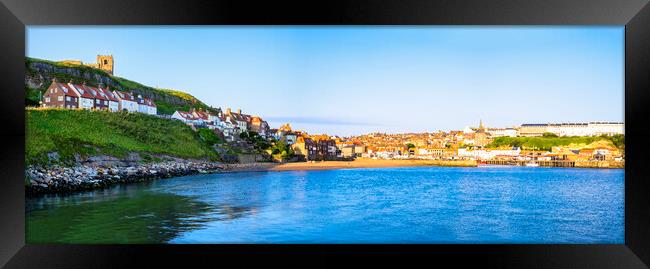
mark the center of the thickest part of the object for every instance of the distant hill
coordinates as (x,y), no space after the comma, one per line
(546,143)
(40,73)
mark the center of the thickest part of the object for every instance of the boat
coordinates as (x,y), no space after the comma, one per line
(532,164)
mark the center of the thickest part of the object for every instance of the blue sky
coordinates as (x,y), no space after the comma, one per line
(354,80)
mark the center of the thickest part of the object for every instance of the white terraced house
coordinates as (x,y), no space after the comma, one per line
(86,100)
(151,107)
(127,102)
(113,102)
(187,118)
(69,95)
(146,106)
(142,107)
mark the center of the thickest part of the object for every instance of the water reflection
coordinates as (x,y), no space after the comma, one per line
(376,205)
(124,214)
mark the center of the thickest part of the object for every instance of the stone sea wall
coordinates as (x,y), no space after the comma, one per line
(88,176)
(599,164)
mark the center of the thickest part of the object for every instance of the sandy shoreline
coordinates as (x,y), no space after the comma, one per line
(358,163)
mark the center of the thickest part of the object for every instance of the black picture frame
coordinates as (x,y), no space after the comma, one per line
(634,14)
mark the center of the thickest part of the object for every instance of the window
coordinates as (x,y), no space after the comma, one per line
(96,101)
(105,62)
(67,98)
(47,99)
(60,98)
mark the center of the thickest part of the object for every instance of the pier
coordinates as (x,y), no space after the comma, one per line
(560,163)
(523,163)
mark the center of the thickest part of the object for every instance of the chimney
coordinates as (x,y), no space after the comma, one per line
(239,111)
(53,79)
(228,111)
(84,83)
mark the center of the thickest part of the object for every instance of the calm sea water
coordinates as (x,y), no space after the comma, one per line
(386,205)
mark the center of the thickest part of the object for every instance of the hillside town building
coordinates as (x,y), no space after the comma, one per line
(126,101)
(146,106)
(71,96)
(113,101)
(60,95)
(229,124)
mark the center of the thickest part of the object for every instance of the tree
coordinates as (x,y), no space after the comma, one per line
(209,136)
(547,134)
(618,140)
(282,148)
(410,145)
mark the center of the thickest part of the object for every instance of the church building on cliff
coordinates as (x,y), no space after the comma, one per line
(104,62)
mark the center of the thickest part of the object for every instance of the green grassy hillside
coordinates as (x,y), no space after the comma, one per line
(88,133)
(545,143)
(40,73)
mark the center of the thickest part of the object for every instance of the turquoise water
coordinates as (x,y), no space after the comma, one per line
(383,205)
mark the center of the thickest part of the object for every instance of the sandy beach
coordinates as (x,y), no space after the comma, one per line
(358,163)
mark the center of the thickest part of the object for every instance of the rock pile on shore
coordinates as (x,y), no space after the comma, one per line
(57,179)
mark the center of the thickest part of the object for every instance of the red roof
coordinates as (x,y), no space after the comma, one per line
(149,102)
(111,96)
(97,94)
(145,101)
(66,89)
(82,92)
(187,115)
(124,95)
(202,115)
(224,117)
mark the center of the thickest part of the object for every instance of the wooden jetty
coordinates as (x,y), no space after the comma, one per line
(556,163)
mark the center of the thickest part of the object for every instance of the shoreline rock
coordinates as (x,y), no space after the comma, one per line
(83,177)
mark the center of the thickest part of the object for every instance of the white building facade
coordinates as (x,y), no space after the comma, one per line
(86,101)
(126,101)
(113,101)
(503,132)
(607,128)
(187,118)
(487,154)
(583,129)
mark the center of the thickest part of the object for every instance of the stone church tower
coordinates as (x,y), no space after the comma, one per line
(105,62)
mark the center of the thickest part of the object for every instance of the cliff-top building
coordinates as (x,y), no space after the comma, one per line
(104,62)
(573,129)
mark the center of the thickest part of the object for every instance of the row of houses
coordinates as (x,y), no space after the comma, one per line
(230,124)
(316,147)
(311,147)
(82,96)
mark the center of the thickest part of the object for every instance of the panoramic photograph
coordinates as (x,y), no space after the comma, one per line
(324,134)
